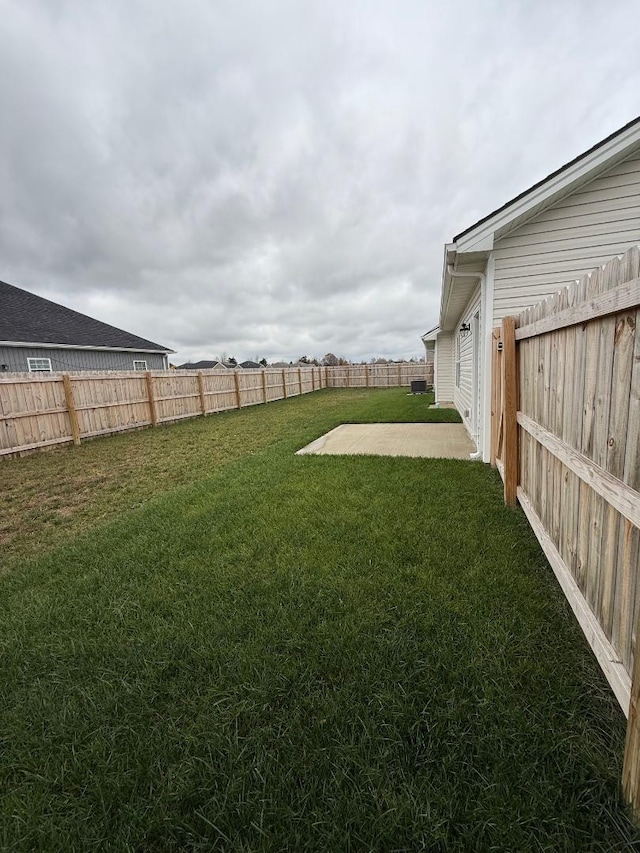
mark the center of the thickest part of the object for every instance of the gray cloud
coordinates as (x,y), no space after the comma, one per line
(278,179)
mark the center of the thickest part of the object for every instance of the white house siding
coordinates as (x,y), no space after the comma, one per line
(444,368)
(463,394)
(569,239)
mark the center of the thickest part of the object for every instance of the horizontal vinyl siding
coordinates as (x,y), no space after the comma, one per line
(444,368)
(69,360)
(463,395)
(568,240)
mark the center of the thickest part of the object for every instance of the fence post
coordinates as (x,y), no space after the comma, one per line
(313,379)
(300,379)
(236,380)
(284,383)
(203,405)
(510,392)
(264,384)
(152,399)
(348,377)
(399,376)
(631,765)
(367,375)
(71,406)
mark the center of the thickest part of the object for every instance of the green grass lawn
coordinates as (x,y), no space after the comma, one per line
(47,497)
(218,645)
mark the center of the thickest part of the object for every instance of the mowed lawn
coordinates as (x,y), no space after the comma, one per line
(209,643)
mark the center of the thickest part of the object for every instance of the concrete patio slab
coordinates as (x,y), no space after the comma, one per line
(436,441)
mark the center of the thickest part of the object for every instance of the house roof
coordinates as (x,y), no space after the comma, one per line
(468,252)
(431,335)
(556,185)
(28,319)
(249,365)
(634,124)
(199,365)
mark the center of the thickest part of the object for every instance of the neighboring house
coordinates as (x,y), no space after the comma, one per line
(561,228)
(250,365)
(429,341)
(201,365)
(37,335)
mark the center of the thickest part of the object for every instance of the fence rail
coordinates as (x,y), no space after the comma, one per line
(566,439)
(42,410)
(378,375)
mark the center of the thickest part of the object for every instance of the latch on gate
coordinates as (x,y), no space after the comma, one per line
(500,346)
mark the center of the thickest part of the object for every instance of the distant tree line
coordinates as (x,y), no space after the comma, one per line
(328,360)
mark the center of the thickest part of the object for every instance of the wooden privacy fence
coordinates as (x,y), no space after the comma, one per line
(378,375)
(41,410)
(565,436)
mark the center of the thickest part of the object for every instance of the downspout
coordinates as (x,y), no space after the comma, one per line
(483,286)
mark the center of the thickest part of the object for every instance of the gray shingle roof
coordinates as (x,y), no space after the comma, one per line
(200,365)
(549,177)
(27,318)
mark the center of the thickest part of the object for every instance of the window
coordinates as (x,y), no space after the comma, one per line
(39,365)
(139,365)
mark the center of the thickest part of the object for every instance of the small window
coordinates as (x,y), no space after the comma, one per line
(39,365)
(457,361)
(139,365)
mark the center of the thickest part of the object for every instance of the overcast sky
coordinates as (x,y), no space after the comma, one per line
(277,178)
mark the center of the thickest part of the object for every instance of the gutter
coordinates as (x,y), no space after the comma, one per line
(480,275)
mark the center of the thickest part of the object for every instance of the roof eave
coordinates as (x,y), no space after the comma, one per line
(51,345)
(457,288)
(551,187)
(431,335)
(449,259)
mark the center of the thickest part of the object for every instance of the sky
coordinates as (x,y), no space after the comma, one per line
(278,178)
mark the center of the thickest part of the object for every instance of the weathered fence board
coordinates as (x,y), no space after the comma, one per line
(378,375)
(577,469)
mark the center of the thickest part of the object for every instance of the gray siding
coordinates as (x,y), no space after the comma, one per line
(569,239)
(70,360)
